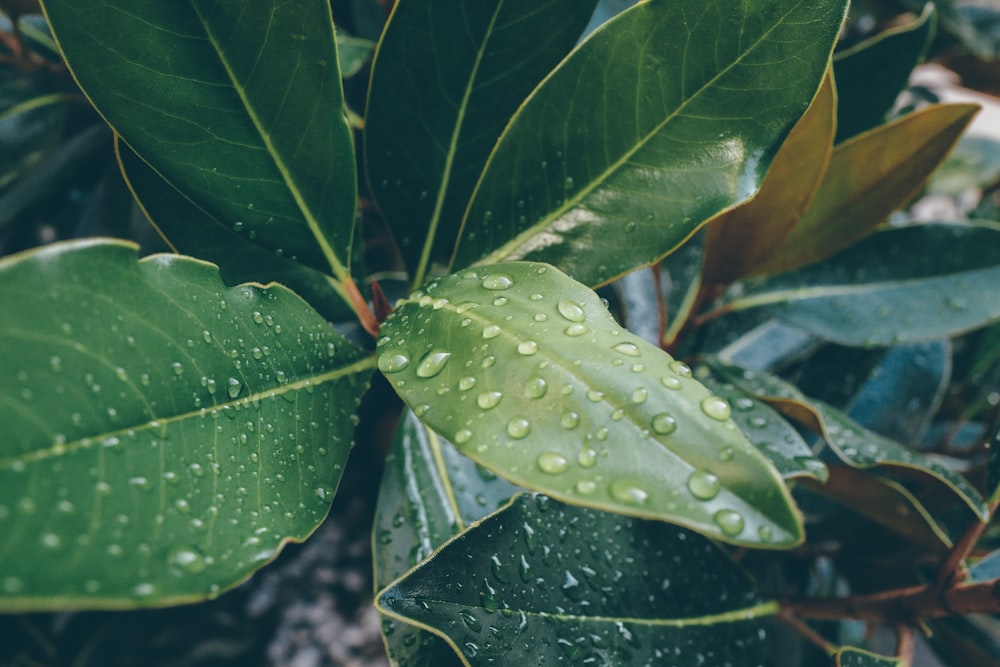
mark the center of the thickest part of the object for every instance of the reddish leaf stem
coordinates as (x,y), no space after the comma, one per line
(360,306)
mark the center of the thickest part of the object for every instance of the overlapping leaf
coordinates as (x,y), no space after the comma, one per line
(616,591)
(447,78)
(527,373)
(663,118)
(429,493)
(855,657)
(164,435)
(235,103)
(903,285)
(868,177)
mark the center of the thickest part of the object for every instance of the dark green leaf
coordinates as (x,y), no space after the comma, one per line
(429,493)
(856,657)
(868,178)
(966,641)
(192,231)
(852,443)
(615,591)
(975,23)
(904,285)
(31,122)
(975,163)
(164,435)
(528,374)
(663,118)
(447,77)
(354,53)
(871,75)
(235,103)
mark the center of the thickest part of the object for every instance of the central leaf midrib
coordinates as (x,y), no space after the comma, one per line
(508,248)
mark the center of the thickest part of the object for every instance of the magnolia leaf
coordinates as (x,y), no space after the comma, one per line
(900,285)
(236,103)
(616,591)
(164,435)
(457,70)
(868,178)
(429,494)
(701,96)
(856,657)
(528,374)
(853,444)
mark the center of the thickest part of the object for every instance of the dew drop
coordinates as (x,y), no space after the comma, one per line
(568,183)
(628,493)
(729,521)
(595,396)
(177,368)
(463,436)
(765,532)
(144,590)
(640,395)
(680,368)
(703,485)
(188,560)
(500,301)
(497,281)
(488,361)
(489,399)
(587,458)
(432,364)
(575,330)
(527,348)
(393,363)
(552,463)
(471,621)
(569,420)
(628,349)
(743,404)
(233,387)
(491,331)
(536,387)
(670,382)
(421,410)
(518,428)
(664,424)
(467,383)
(715,407)
(585,487)
(571,311)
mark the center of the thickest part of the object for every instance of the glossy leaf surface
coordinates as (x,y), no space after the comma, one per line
(738,239)
(856,657)
(616,591)
(164,434)
(429,493)
(872,74)
(447,78)
(868,177)
(903,285)
(527,373)
(190,230)
(852,443)
(236,103)
(700,96)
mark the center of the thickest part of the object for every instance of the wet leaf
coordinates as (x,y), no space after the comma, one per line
(190,230)
(737,240)
(614,590)
(164,435)
(868,177)
(429,493)
(872,74)
(458,71)
(236,103)
(900,285)
(852,443)
(702,96)
(856,657)
(528,374)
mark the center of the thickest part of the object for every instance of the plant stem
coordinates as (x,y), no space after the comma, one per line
(360,306)
(803,629)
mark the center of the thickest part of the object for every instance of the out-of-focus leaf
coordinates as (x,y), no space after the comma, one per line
(975,23)
(768,431)
(964,641)
(986,569)
(870,176)
(192,231)
(528,374)
(900,285)
(639,292)
(701,97)
(429,493)
(30,125)
(737,240)
(904,391)
(856,657)
(852,443)
(165,434)
(354,53)
(975,163)
(871,75)
(617,591)
(768,346)
(447,77)
(236,103)
(681,282)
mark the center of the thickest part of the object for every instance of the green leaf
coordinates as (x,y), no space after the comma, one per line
(190,230)
(354,53)
(901,285)
(236,103)
(871,75)
(856,657)
(868,177)
(966,640)
(618,591)
(739,239)
(447,77)
(974,163)
(528,374)
(429,493)
(164,435)
(31,121)
(701,96)
(975,23)
(853,444)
